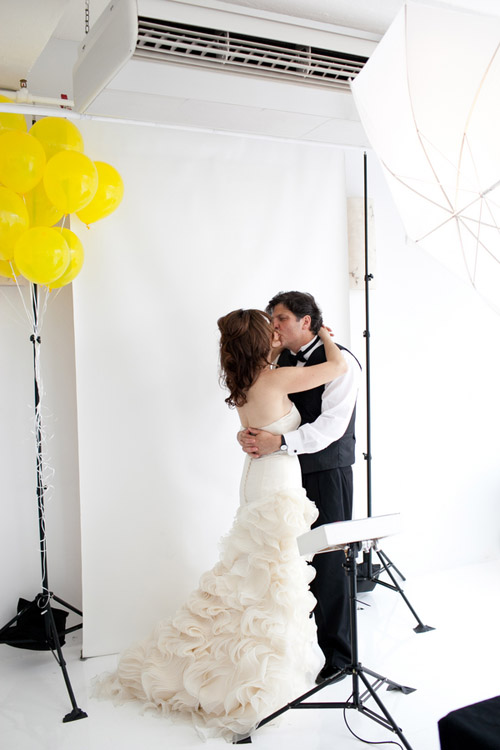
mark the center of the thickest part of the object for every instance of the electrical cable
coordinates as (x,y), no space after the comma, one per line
(368,742)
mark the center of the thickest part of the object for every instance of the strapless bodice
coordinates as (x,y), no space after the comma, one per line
(274,472)
(286,423)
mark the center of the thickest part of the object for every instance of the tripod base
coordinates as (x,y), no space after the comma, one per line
(423,628)
(34,627)
(357,701)
(74,715)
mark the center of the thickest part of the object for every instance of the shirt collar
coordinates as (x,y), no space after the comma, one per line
(308,348)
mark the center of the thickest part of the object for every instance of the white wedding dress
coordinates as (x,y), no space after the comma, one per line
(243,645)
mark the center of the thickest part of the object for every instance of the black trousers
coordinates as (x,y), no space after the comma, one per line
(332,492)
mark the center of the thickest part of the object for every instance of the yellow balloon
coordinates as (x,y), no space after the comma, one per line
(22,161)
(14,221)
(41,212)
(108,196)
(70,181)
(12,121)
(8,269)
(57,134)
(42,255)
(76,256)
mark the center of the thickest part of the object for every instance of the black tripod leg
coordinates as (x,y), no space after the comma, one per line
(77,712)
(420,628)
(390,564)
(299,702)
(72,609)
(385,712)
(68,606)
(391,685)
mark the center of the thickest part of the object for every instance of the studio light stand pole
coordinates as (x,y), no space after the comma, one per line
(41,607)
(368,573)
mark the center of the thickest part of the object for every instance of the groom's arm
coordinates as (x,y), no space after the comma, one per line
(337,404)
(338,401)
(258,442)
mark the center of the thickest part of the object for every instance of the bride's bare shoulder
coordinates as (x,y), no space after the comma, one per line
(267,377)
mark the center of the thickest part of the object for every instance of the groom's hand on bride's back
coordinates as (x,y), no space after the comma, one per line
(257,442)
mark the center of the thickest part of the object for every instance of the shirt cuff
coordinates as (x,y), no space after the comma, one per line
(293,444)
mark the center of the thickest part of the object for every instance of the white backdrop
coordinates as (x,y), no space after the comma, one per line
(209,223)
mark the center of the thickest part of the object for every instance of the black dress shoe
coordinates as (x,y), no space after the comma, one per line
(328,671)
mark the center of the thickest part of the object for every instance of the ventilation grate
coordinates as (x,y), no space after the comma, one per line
(222,50)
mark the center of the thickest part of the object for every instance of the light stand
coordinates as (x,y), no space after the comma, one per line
(360,674)
(42,632)
(368,575)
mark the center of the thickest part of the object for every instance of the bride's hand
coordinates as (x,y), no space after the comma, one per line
(325,333)
(276,346)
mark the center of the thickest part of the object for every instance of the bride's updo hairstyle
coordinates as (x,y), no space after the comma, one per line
(245,342)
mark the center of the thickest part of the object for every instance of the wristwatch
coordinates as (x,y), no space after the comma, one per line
(283,446)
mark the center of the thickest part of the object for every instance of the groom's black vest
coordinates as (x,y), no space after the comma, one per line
(339,453)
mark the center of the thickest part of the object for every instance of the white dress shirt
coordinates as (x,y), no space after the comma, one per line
(338,401)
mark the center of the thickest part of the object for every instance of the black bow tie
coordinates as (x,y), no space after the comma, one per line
(300,356)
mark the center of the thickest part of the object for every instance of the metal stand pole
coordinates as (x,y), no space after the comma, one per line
(368,573)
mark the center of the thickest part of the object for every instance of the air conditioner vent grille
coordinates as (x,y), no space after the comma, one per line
(222,50)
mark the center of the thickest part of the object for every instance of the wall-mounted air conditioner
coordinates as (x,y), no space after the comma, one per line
(218,65)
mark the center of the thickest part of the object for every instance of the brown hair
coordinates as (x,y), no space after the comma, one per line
(245,342)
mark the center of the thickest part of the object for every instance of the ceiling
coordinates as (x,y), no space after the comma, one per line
(44,48)
(367,15)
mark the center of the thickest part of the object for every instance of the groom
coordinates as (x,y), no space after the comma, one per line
(324,443)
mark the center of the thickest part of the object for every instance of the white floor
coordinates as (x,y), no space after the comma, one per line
(455,665)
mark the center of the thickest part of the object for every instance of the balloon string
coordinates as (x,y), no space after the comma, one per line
(29,314)
(18,316)
(41,314)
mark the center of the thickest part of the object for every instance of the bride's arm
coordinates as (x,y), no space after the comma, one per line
(292,380)
(297,379)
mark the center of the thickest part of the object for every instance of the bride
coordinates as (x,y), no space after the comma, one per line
(242,646)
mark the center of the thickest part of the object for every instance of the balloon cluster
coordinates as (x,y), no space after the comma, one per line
(44,176)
